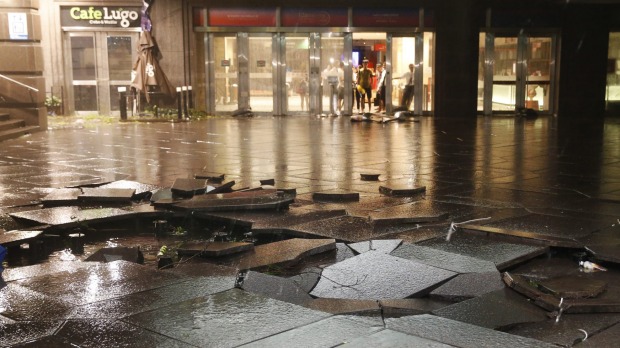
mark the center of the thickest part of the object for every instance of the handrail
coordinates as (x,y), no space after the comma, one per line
(19,83)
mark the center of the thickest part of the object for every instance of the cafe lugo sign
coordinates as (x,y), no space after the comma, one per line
(100,16)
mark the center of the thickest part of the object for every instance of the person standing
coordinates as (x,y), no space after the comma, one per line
(356,93)
(302,90)
(364,80)
(381,87)
(408,92)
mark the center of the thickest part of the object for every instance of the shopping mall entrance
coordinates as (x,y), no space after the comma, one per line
(313,73)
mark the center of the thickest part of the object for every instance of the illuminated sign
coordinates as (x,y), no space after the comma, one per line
(100,16)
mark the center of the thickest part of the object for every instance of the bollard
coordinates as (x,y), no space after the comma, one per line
(122,103)
(191,97)
(185,101)
(179,114)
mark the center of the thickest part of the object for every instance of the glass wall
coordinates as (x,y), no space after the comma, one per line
(332,72)
(261,73)
(120,62)
(225,66)
(538,79)
(84,70)
(504,73)
(427,74)
(297,84)
(403,55)
(612,93)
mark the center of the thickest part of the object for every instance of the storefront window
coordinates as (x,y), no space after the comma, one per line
(612,93)
(83,58)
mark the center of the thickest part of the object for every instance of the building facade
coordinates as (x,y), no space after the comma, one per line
(472,57)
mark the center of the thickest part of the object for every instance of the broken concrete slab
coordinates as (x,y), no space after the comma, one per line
(606,338)
(401,191)
(308,278)
(369,177)
(410,306)
(226,319)
(388,338)
(283,253)
(380,245)
(61,196)
(468,285)
(117,253)
(141,190)
(24,331)
(223,188)
(21,304)
(345,228)
(336,196)
(12,238)
(71,216)
(237,201)
(609,252)
(213,249)
(573,287)
(210,177)
(374,275)
(521,236)
(504,254)
(494,310)
(461,334)
(108,195)
(410,213)
(442,259)
(345,306)
(278,288)
(186,187)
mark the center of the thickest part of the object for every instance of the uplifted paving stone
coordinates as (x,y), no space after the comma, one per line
(469,285)
(11,238)
(385,246)
(42,269)
(503,254)
(117,253)
(62,196)
(374,275)
(214,249)
(410,306)
(18,332)
(401,190)
(606,338)
(308,278)
(336,196)
(283,253)
(388,339)
(573,286)
(21,304)
(189,187)
(278,288)
(344,306)
(226,319)
(609,253)
(72,216)
(106,194)
(111,280)
(329,332)
(459,334)
(252,200)
(141,189)
(210,177)
(443,259)
(345,228)
(497,309)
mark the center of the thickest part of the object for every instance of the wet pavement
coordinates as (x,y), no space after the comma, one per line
(415,258)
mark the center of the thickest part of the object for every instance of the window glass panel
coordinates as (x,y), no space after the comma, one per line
(83,58)
(120,58)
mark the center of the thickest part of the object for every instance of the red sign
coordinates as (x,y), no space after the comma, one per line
(380,47)
(386,18)
(236,17)
(314,17)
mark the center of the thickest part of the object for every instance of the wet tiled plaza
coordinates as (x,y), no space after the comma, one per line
(419,257)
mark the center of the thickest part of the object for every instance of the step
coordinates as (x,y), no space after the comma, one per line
(17,132)
(4,116)
(11,124)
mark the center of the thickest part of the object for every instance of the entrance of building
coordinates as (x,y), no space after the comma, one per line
(313,73)
(516,71)
(100,63)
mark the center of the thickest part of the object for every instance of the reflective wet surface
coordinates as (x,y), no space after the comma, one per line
(531,193)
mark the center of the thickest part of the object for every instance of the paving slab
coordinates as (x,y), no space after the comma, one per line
(108,195)
(328,332)
(468,285)
(278,288)
(21,304)
(443,259)
(344,306)
(344,228)
(97,282)
(392,339)
(47,341)
(62,196)
(226,319)
(15,333)
(210,177)
(410,213)
(213,249)
(573,287)
(189,187)
(494,310)
(459,334)
(336,196)
(238,201)
(608,253)
(385,246)
(11,238)
(72,216)
(308,278)
(566,332)
(11,274)
(410,306)
(117,253)
(141,189)
(504,254)
(606,338)
(148,300)
(201,269)
(374,276)
(401,190)
(283,253)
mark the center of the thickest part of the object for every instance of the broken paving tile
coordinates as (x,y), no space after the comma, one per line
(71,216)
(238,201)
(141,190)
(214,249)
(503,254)
(369,177)
(226,319)
(521,236)
(410,306)
(410,213)
(270,182)
(308,278)
(385,246)
(62,196)
(609,252)
(278,288)
(329,332)
(117,253)
(459,334)
(388,338)
(494,310)
(223,188)
(18,332)
(573,286)
(606,338)
(210,177)
(21,304)
(11,238)
(468,285)
(283,253)
(344,252)
(106,194)
(345,228)
(336,196)
(189,187)
(444,259)
(344,306)
(202,269)
(375,276)
(401,191)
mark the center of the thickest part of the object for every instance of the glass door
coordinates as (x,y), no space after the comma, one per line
(297,70)
(224,82)
(332,74)
(83,73)
(261,81)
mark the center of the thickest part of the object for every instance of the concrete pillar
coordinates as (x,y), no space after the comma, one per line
(21,60)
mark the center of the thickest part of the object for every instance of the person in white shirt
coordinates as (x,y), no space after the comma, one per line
(408,92)
(381,87)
